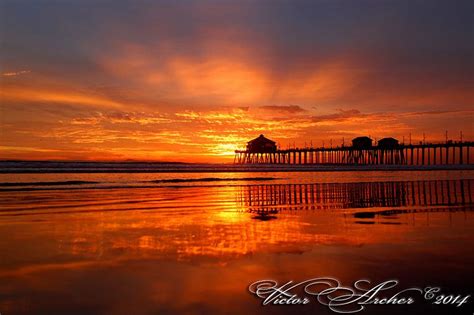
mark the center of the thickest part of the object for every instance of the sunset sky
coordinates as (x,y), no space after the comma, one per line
(194,80)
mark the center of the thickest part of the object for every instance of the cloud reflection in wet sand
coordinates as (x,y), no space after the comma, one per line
(158,243)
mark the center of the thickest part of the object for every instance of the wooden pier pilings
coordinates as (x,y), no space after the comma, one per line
(414,154)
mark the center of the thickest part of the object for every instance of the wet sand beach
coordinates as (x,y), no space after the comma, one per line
(146,243)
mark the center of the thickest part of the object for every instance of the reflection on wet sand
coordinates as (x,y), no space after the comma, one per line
(202,238)
(219,222)
(267,200)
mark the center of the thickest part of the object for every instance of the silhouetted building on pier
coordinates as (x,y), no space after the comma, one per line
(362,143)
(388,143)
(261,145)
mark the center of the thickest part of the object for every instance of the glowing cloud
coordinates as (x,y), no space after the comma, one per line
(13,74)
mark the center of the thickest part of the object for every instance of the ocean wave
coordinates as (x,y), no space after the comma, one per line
(68,182)
(172,182)
(211,179)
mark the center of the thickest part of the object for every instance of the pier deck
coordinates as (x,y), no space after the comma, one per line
(412,154)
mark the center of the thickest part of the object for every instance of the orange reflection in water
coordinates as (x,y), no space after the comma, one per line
(154,244)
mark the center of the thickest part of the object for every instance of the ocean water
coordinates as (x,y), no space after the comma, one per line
(192,242)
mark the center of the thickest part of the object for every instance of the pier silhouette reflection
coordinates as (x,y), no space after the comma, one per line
(265,201)
(214,240)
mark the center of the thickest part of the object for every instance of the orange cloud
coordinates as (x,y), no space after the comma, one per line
(200,109)
(286,109)
(13,74)
(114,117)
(31,94)
(197,136)
(230,80)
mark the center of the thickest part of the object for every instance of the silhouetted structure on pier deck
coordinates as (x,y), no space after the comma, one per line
(362,143)
(388,143)
(261,145)
(362,152)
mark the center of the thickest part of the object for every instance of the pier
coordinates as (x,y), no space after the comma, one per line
(387,151)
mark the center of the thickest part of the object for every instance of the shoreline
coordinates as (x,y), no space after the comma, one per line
(221,168)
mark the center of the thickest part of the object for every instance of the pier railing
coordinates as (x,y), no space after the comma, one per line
(411,154)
